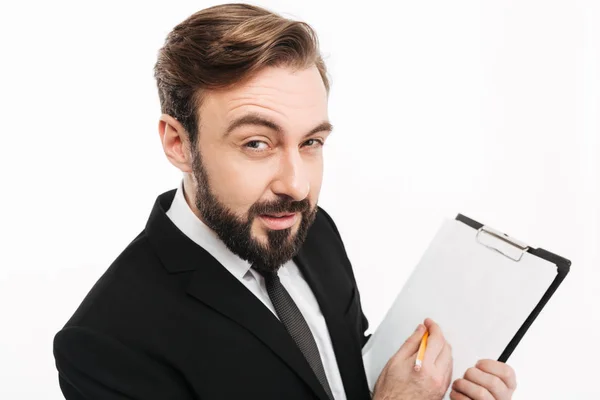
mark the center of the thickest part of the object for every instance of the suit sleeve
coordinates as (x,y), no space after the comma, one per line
(365,322)
(94,366)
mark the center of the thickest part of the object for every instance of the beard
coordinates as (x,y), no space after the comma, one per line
(282,245)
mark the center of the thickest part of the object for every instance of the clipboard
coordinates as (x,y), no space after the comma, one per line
(480,261)
(563,266)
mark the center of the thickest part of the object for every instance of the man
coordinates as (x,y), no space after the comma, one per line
(239,286)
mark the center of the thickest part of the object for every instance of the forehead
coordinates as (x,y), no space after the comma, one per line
(296,98)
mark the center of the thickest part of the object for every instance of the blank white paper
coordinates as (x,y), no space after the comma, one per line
(479,297)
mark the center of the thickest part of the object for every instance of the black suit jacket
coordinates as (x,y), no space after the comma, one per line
(167,321)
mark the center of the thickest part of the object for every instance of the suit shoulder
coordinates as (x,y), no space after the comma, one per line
(324,235)
(119,285)
(326,227)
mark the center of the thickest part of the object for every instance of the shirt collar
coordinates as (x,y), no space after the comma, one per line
(184,218)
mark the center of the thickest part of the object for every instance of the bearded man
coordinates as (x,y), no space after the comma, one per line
(239,286)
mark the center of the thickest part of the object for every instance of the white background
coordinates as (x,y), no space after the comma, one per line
(486,108)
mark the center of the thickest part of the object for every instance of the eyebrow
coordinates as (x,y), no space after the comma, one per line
(258,120)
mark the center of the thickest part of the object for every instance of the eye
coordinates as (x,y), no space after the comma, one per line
(313,143)
(256,145)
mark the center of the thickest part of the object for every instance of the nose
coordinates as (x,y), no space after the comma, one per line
(291,179)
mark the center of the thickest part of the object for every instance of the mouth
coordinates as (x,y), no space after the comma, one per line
(279,221)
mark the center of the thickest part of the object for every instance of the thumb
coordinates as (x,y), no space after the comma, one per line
(411,345)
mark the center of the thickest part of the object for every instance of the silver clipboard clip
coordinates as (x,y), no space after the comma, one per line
(501,243)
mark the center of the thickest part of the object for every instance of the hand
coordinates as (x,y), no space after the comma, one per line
(399,380)
(488,380)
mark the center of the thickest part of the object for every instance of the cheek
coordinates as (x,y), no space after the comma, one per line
(237,185)
(316,180)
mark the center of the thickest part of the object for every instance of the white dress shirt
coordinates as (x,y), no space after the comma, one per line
(184,218)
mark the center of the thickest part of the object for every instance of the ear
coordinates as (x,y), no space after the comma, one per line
(175,142)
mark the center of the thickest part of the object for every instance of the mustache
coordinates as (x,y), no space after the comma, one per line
(279,206)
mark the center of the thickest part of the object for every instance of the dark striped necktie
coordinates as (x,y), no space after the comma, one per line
(296,325)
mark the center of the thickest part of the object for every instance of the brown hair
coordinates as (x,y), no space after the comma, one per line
(224,45)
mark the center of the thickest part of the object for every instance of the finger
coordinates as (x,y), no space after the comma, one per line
(454,395)
(411,345)
(445,363)
(501,370)
(445,356)
(492,383)
(471,390)
(435,342)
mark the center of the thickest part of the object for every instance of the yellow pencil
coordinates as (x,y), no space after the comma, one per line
(421,353)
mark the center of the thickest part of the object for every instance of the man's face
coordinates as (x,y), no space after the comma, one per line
(258,164)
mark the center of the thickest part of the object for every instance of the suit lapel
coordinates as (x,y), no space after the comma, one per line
(323,277)
(231,298)
(213,285)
